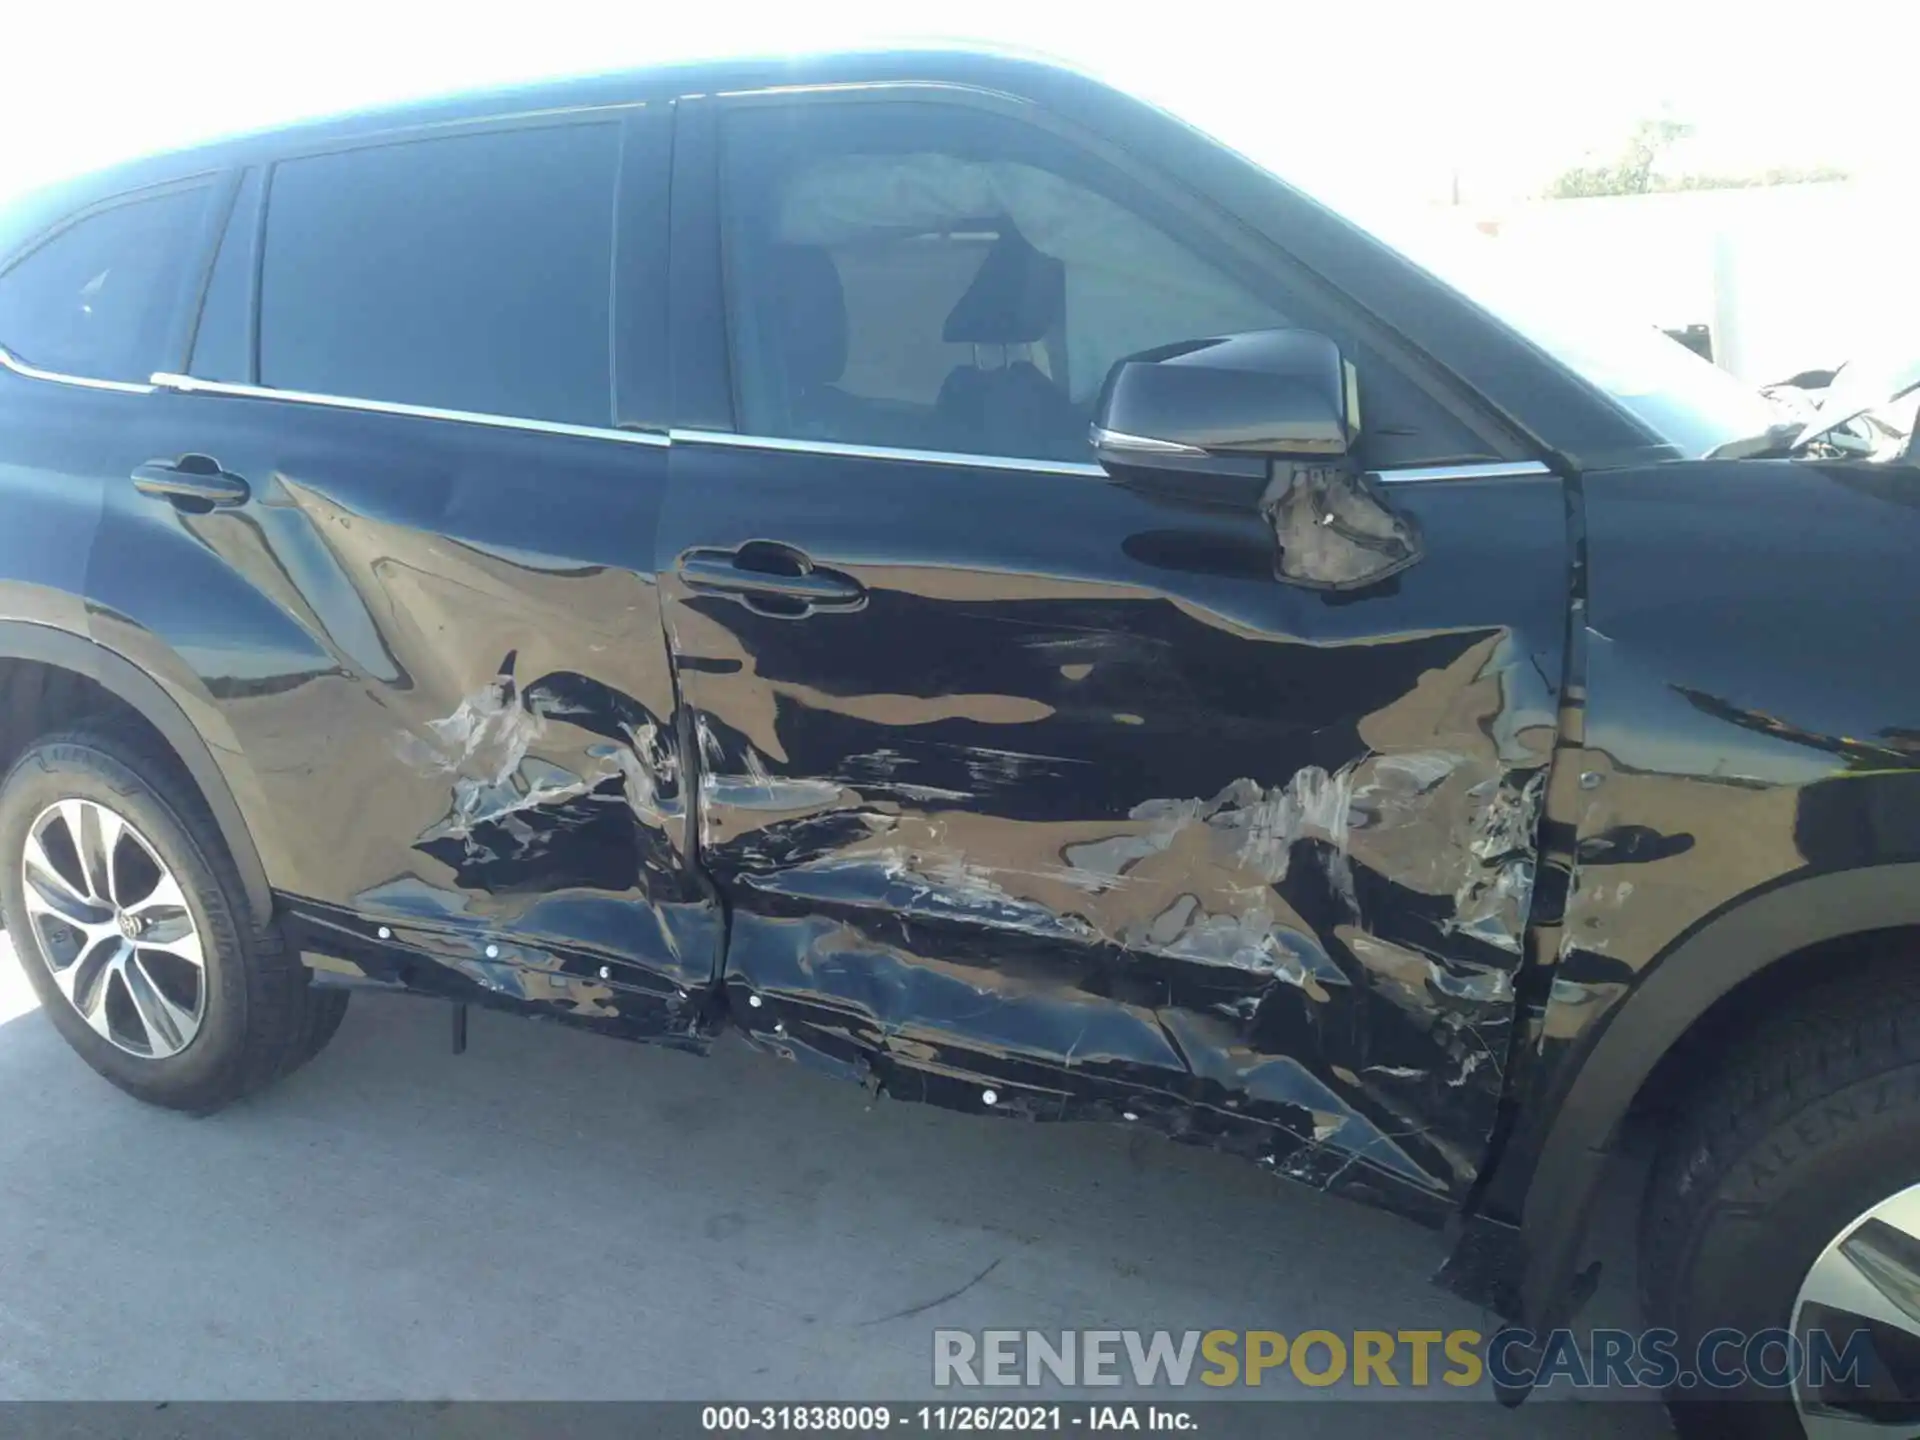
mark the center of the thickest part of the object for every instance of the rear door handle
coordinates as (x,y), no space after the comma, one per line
(771,579)
(191,478)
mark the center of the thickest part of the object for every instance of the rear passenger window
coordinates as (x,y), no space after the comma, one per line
(466,273)
(99,297)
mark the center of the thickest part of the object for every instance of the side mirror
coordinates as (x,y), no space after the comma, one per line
(1263,420)
(1265,394)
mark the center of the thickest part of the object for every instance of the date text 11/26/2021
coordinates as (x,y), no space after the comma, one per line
(935,1419)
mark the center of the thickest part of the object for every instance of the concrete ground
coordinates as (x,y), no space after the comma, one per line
(554,1215)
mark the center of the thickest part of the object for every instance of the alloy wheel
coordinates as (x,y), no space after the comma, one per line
(114,928)
(1867,1280)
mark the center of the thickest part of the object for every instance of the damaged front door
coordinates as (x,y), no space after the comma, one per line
(457,707)
(1037,792)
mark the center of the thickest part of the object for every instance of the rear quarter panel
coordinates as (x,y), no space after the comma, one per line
(50,499)
(67,453)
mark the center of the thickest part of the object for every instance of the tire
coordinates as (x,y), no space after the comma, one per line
(326,1008)
(1809,1123)
(257,1017)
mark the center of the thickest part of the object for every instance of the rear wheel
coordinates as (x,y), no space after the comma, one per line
(1788,1200)
(130,922)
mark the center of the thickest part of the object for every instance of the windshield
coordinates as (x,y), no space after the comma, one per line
(1689,402)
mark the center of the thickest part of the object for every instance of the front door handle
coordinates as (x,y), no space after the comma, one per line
(196,480)
(771,579)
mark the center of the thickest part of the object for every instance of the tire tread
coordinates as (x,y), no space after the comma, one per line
(1835,1035)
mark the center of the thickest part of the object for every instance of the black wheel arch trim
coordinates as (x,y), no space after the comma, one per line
(26,640)
(1728,948)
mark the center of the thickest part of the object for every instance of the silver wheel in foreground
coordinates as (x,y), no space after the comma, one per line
(113,926)
(1868,1278)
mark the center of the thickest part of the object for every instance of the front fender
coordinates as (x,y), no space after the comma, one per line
(1741,783)
(1723,951)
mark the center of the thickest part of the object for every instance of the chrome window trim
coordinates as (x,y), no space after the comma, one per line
(882,452)
(858,88)
(33,372)
(295,147)
(189,385)
(1469,470)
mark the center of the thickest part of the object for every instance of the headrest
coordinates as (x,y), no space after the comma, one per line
(811,313)
(1015,299)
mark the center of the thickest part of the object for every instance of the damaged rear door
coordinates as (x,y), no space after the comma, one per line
(441,667)
(1034,792)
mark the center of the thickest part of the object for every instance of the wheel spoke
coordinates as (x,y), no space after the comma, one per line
(84,981)
(40,865)
(1902,1212)
(48,892)
(186,945)
(1840,1425)
(168,1026)
(1874,1273)
(102,843)
(83,836)
(1870,1272)
(1837,1283)
(1889,1258)
(88,980)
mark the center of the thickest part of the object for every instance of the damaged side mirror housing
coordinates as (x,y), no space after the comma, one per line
(1266,420)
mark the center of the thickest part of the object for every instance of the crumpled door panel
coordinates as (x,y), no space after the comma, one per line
(1087,812)
(441,687)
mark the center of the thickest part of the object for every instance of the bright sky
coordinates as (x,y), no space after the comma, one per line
(1386,99)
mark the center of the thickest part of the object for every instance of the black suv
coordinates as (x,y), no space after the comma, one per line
(937,567)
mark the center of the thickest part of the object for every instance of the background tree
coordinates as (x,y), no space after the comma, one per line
(1636,170)
(1630,174)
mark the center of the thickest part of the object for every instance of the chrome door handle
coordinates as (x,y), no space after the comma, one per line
(771,579)
(191,478)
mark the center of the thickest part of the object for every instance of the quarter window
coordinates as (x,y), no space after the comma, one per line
(468,272)
(98,298)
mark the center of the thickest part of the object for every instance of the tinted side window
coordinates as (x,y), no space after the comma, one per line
(940,278)
(937,276)
(465,273)
(99,297)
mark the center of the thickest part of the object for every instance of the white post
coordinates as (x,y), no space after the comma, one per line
(1728,351)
